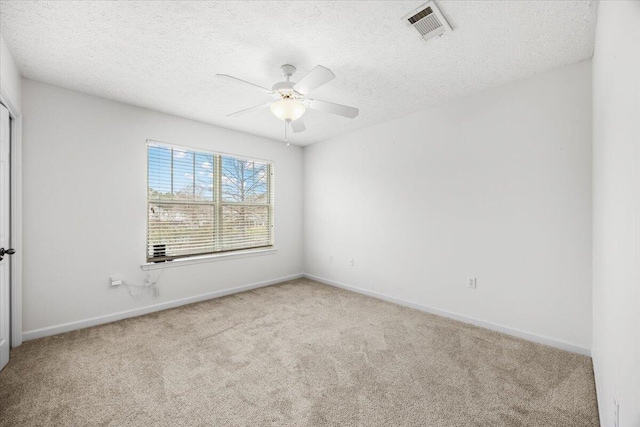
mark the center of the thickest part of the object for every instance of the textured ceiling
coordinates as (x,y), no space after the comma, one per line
(163,55)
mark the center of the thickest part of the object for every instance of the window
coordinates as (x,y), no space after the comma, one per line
(203,203)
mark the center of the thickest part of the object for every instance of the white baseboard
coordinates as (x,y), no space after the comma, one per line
(596,379)
(94,321)
(540,339)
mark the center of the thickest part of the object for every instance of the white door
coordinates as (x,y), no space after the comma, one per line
(4,236)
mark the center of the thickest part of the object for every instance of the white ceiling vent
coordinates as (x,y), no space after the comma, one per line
(428,20)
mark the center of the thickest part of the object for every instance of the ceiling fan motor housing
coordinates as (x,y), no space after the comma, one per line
(285,90)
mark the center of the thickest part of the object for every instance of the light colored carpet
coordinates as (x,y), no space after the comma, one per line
(298,353)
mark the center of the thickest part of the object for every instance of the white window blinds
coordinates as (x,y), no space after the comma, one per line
(201,203)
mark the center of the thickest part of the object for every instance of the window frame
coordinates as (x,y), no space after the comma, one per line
(217,205)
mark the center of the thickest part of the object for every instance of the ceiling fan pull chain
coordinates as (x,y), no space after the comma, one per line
(285,132)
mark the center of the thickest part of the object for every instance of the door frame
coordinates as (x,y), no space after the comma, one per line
(9,101)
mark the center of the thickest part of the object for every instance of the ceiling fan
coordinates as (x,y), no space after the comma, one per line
(291,98)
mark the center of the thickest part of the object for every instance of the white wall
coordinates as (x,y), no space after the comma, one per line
(496,186)
(9,76)
(616,211)
(85,206)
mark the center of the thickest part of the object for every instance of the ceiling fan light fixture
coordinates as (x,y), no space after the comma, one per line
(291,98)
(288,109)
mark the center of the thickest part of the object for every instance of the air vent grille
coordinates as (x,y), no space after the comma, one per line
(418,16)
(428,25)
(428,21)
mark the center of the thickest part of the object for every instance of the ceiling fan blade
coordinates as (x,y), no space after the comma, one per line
(330,107)
(246,110)
(314,79)
(298,125)
(237,80)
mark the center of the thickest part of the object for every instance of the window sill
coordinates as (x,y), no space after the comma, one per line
(207,258)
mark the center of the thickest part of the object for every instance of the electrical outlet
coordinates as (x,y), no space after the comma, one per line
(616,413)
(114,281)
(351,262)
(330,259)
(471,282)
